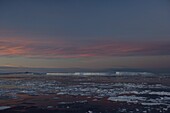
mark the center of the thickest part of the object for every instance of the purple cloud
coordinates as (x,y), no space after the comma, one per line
(70,49)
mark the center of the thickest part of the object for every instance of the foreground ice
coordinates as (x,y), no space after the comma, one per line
(134,93)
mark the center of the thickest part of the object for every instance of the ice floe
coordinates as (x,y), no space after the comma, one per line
(4,107)
(130,99)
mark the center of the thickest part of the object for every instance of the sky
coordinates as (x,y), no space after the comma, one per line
(85,33)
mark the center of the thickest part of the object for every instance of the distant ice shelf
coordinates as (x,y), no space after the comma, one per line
(80,73)
(100,73)
(133,73)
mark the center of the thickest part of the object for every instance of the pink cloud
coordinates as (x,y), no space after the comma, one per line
(72,49)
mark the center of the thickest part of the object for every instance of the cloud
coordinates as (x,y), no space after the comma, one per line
(76,49)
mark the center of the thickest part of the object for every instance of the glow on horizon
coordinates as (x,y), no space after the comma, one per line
(94,63)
